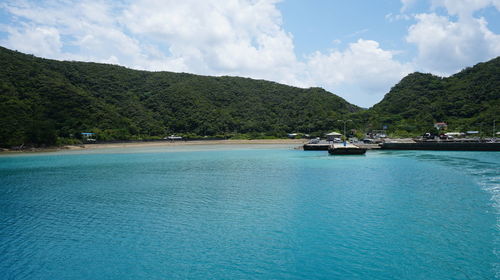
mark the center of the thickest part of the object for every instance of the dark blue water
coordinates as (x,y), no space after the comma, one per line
(242,212)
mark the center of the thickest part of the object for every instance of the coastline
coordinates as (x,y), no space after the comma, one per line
(157,144)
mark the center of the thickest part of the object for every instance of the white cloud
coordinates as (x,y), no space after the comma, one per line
(446,46)
(215,37)
(397,17)
(464,8)
(88,27)
(211,37)
(363,67)
(407,4)
(46,39)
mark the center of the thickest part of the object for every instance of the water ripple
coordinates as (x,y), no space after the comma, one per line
(249,214)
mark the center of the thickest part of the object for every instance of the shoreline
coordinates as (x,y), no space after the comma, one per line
(156,144)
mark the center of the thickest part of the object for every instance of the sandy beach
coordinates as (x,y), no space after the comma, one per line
(159,144)
(184,143)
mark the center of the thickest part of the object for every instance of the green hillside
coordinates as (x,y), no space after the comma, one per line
(44,100)
(469,100)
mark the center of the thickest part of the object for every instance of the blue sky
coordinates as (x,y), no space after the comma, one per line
(322,24)
(355,49)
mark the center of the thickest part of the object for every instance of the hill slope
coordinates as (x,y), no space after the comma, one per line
(43,99)
(464,101)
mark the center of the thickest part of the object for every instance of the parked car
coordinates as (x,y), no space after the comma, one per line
(173,137)
(428,136)
(314,141)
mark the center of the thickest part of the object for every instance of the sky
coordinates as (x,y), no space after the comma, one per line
(355,49)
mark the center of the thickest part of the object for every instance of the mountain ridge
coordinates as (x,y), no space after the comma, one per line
(43,99)
(464,100)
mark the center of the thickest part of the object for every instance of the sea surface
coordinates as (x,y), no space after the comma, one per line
(249,212)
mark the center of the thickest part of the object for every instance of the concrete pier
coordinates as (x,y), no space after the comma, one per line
(443,146)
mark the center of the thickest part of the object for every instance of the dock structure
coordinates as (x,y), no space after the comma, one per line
(443,146)
(345,149)
(320,146)
(324,145)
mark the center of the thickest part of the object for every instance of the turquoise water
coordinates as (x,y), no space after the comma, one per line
(249,212)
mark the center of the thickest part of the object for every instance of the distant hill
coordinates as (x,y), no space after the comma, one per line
(42,100)
(464,101)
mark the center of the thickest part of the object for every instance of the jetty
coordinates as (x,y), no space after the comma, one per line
(465,145)
(316,145)
(324,145)
(345,149)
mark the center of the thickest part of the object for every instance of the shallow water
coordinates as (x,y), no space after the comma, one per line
(249,212)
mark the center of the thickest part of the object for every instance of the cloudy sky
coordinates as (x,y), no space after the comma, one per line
(356,49)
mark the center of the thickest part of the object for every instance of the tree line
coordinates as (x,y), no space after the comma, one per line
(48,102)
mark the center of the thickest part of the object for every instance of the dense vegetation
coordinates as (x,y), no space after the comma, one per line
(469,100)
(44,101)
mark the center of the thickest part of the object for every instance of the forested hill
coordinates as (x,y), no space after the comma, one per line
(468,100)
(42,100)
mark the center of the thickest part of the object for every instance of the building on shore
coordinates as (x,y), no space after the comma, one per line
(441,126)
(332,136)
(88,136)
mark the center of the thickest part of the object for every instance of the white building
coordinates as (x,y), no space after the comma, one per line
(332,136)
